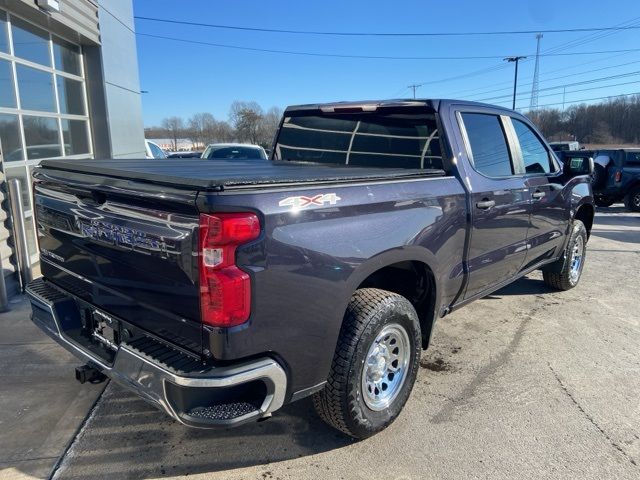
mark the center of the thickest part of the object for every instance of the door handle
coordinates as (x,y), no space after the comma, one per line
(485,204)
(538,195)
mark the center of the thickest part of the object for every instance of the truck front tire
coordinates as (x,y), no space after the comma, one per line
(632,200)
(565,273)
(375,364)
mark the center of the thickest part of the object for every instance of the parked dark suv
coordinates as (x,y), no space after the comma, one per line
(617,177)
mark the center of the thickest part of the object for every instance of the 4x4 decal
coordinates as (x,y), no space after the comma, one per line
(303,202)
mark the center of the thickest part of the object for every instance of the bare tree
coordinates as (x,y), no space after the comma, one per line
(615,121)
(174,128)
(269,126)
(246,118)
(224,132)
(201,129)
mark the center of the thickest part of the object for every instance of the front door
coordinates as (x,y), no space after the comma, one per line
(500,204)
(549,215)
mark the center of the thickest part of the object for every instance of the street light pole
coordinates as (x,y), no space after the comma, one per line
(515,80)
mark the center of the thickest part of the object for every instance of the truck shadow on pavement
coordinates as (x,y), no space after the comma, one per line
(126,437)
(523,286)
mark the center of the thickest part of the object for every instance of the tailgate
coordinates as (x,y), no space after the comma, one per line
(127,248)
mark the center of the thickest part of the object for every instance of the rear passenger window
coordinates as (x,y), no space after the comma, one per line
(489,151)
(535,156)
(366,140)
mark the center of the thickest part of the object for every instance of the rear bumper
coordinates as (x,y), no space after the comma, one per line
(205,397)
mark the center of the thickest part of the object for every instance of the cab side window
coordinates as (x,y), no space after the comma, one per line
(535,156)
(489,150)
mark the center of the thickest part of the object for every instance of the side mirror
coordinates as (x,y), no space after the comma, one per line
(577,166)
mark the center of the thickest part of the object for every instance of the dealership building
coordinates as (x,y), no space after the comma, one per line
(69,87)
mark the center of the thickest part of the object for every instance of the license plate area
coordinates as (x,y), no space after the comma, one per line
(105,329)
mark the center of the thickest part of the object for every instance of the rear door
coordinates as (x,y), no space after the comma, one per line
(126,249)
(549,215)
(500,202)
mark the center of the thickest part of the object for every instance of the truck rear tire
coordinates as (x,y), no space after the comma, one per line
(375,364)
(632,200)
(565,273)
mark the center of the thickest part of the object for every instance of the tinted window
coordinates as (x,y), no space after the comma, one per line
(30,42)
(36,89)
(633,159)
(66,56)
(488,144)
(71,96)
(41,136)
(235,153)
(7,91)
(10,137)
(534,154)
(4,40)
(393,141)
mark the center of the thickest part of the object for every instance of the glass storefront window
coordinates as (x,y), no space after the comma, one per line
(66,56)
(7,88)
(10,143)
(30,42)
(70,95)
(36,89)
(34,123)
(41,137)
(4,34)
(74,133)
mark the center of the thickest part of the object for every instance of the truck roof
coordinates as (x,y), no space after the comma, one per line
(431,104)
(217,175)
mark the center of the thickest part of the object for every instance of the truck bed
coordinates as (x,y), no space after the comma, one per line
(222,174)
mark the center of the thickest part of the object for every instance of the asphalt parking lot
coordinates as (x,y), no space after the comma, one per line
(526,383)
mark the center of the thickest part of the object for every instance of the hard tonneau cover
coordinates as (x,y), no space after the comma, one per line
(220,174)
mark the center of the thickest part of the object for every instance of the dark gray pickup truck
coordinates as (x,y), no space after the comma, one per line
(222,290)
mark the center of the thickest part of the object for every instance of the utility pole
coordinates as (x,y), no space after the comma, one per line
(413,87)
(534,89)
(515,80)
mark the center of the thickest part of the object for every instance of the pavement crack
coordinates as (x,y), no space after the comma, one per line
(444,414)
(56,468)
(612,442)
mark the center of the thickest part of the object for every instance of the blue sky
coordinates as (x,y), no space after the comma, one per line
(183,79)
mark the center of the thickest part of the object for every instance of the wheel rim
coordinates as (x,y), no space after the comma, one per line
(385,367)
(636,200)
(577,255)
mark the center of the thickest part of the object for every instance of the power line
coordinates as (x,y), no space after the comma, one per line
(586,89)
(583,82)
(591,99)
(370,57)
(608,67)
(579,41)
(384,34)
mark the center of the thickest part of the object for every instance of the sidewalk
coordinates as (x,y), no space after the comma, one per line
(41,404)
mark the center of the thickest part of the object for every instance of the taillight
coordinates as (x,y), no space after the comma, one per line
(618,176)
(225,290)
